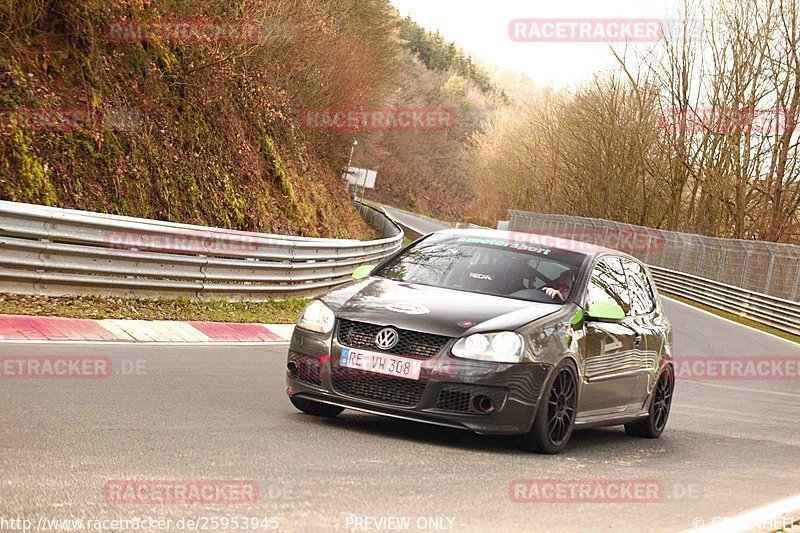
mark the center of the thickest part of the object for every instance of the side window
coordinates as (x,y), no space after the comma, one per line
(642,299)
(608,284)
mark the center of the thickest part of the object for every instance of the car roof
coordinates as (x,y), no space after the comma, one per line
(536,239)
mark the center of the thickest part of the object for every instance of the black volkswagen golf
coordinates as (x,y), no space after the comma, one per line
(494,332)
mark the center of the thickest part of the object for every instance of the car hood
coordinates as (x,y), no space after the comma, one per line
(431,309)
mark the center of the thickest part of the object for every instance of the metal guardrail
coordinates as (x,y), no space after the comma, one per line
(715,272)
(775,312)
(46,250)
(468,225)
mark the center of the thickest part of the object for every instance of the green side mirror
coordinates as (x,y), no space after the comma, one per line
(605,311)
(363,271)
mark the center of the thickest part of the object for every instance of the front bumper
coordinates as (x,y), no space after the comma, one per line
(447,393)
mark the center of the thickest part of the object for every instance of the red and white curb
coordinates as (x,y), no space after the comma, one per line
(32,328)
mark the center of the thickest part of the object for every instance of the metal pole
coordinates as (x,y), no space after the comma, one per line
(768,281)
(352,149)
(743,279)
(349,163)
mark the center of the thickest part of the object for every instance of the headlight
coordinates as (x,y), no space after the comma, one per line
(503,347)
(317,317)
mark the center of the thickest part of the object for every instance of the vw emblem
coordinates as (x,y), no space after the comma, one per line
(387,338)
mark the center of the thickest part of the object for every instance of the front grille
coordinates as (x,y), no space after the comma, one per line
(458,398)
(411,344)
(308,368)
(397,391)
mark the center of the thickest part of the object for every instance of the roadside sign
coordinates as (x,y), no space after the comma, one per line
(361,177)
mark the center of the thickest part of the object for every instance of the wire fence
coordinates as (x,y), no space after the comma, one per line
(758,266)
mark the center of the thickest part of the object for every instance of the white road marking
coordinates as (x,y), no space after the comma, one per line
(703,410)
(741,389)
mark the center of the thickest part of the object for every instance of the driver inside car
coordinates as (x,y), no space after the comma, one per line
(559,290)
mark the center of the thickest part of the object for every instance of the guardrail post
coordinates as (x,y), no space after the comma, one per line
(744,267)
(768,281)
(702,256)
(663,260)
(683,254)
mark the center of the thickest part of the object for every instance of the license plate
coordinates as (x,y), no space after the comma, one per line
(389,365)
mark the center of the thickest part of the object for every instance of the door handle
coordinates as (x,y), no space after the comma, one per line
(637,339)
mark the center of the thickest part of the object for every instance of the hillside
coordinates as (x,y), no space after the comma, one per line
(203,131)
(428,171)
(195,112)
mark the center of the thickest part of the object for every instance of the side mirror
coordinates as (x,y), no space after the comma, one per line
(363,271)
(605,312)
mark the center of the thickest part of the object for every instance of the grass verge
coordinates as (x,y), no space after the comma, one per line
(99,307)
(736,318)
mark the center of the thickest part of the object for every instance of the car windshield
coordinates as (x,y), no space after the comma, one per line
(494,266)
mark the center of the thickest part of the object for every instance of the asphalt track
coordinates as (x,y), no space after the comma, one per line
(417,223)
(221,413)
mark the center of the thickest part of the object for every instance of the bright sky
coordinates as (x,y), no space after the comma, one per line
(481,27)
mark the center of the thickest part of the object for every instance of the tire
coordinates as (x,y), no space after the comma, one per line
(653,426)
(555,415)
(315,408)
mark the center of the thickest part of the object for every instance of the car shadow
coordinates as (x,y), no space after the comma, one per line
(596,440)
